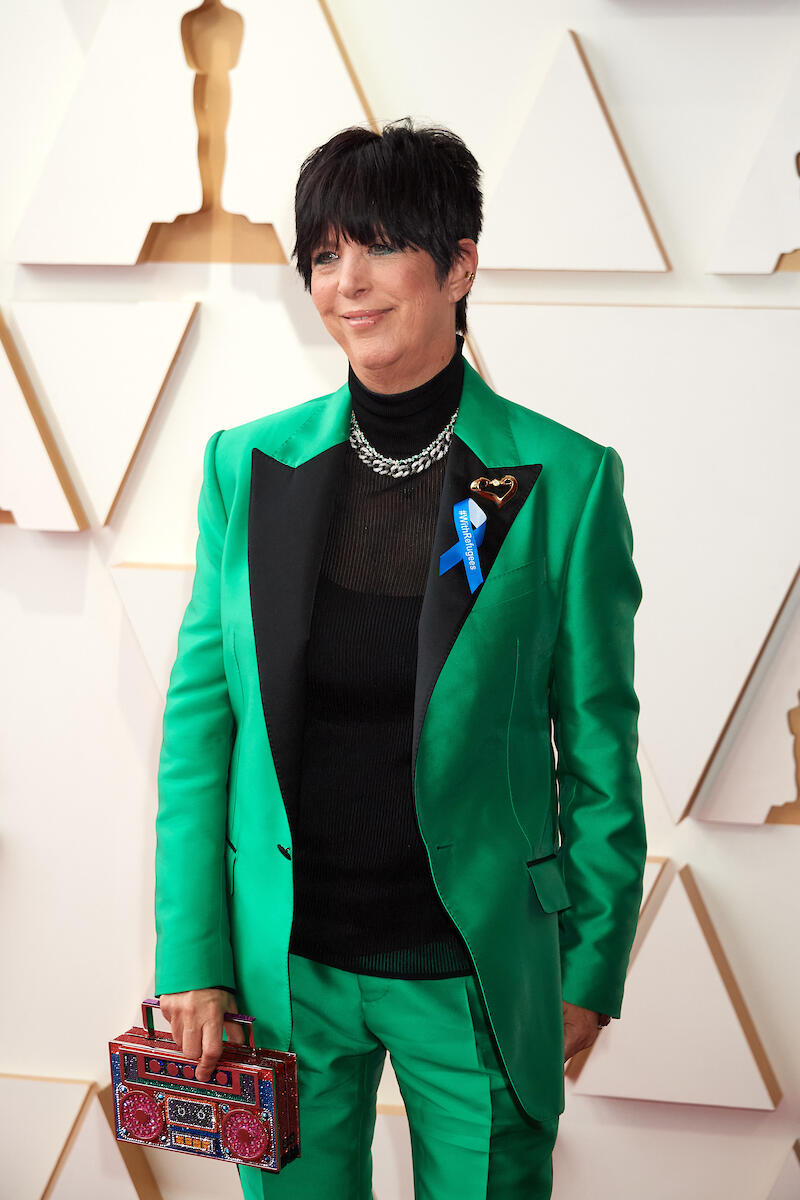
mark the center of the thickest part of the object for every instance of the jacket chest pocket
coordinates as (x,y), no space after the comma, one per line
(513,584)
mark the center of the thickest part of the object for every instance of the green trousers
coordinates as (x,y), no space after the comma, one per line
(470,1139)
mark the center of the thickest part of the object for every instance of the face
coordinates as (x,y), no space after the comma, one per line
(385,308)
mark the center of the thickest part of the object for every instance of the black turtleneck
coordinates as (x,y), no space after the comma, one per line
(402,423)
(364,895)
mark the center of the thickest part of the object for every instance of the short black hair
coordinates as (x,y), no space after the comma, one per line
(407,186)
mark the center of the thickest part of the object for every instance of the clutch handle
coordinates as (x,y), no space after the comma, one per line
(147,1021)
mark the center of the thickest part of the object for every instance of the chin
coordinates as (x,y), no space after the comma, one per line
(371,357)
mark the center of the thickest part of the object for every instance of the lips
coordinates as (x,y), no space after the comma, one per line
(365,317)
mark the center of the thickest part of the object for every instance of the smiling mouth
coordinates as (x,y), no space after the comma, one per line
(367,318)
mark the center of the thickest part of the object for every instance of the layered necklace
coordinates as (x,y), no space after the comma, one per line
(400,467)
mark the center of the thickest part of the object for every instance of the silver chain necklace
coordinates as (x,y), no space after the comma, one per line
(400,467)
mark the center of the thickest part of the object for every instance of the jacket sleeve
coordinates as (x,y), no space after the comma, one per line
(193,947)
(595,712)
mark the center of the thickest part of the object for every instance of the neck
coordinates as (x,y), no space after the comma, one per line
(401,423)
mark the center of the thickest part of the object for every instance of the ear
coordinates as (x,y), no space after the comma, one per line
(458,281)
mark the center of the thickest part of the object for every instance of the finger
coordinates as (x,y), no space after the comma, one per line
(236,1033)
(212,1049)
(192,1038)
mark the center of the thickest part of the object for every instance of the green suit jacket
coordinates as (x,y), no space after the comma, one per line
(540,866)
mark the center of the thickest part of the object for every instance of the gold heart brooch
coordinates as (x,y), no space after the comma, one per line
(481,484)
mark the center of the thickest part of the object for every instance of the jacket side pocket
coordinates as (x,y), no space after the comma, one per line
(548,883)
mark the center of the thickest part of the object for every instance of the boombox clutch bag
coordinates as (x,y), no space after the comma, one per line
(246,1113)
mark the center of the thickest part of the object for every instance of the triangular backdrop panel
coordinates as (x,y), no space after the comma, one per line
(710,484)
(155,599)
(753,776)
(568,186)
(685,1036)
(103,367)
(765,220)
(35,485)
(293,92)
(255,356)
(95,1166)
(126,154)
(36,1117)
(787,1185)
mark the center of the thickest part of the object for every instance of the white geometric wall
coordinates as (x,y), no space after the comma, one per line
(762,230)
(787,1185)
(611,295)
(566,142)
(37,490)
(724,477)
(102,367)
(125,155)
(754,772)
(687,1037)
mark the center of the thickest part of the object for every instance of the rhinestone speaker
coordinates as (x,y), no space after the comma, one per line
(246,1113)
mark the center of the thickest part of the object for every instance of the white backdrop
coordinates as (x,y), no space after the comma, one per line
(694,91)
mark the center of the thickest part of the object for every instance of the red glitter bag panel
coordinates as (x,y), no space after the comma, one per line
(246,1113)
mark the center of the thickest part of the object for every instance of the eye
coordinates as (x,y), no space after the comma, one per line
(322,257)
(381,248)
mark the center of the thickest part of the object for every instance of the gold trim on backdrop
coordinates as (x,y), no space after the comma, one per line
(729,979)
(665,880)
(620,149)
(43,427)
(134,1159)
(156,402)
(348,62)
(69,1141)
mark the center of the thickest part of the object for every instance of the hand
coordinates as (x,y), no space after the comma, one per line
(195,1019)
(580,1028)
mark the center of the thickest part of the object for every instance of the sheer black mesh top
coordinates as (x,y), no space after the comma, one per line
(365,899)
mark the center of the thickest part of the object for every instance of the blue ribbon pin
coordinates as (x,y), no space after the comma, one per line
(470,523)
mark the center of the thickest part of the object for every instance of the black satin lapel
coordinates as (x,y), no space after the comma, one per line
(290,510)
(448,600)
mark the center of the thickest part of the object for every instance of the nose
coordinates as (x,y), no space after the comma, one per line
(354,270)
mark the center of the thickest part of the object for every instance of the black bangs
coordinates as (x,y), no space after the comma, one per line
(406,187)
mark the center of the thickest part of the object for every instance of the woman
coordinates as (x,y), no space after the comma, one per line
(363,838)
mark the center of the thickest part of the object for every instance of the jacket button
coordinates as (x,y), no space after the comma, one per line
(285,851)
